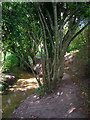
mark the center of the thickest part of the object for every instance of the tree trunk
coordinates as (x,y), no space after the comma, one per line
(4,56)
(18,61)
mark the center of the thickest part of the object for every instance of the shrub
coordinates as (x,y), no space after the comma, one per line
(41,91)
(11,62)
(79,41)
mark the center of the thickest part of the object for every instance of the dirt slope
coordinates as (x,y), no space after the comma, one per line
(66,102)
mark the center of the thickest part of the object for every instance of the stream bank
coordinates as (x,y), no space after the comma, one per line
(19,89)
(68,101)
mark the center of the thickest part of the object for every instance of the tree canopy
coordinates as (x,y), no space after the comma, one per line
(45,29)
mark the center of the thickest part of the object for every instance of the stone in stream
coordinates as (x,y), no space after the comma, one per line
(15,94)
(25,90)
(24,94)
(21,84)
(9,100)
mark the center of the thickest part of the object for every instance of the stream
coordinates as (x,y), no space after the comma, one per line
(21,89)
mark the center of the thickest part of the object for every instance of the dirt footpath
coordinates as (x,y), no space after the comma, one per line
(66,102)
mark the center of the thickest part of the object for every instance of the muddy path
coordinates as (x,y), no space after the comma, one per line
(66,102)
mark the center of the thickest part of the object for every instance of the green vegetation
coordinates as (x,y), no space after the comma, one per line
(35,39)
(80,41)
(41,91)
(10,64)
(45,30)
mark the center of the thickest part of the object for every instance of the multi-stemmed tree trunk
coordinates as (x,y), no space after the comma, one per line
(51,27)
(58,29)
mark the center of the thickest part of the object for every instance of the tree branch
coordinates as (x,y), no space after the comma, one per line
(67,19)
(46,50)
(46,25)
(79,31)
(50,19)
(74,13)
(69,31)
(68,42)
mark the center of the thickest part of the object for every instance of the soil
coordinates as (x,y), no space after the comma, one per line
(77,68)
(67,101)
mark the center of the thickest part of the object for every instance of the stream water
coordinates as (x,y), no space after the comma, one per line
(17,93)
(24,87)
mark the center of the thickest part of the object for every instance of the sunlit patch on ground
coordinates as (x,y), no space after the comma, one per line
(24,84)
(70,111)
(69,56)
(67,68)
(24,87)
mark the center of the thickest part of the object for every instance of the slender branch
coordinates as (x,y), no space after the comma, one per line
(50,19)
(67,19)
(45,48)
(60,32)
(57,41)
(32,38)
(72,30)
(46,25)
(70,39)
(79,31)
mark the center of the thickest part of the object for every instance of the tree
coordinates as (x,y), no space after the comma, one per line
(15,37)
(48,28)
(58,28)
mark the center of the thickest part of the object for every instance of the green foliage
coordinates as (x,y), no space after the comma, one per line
(75,46)
(83,56)
(38,54)
(30,60)
(28,31)
(10,64)
(88,101)
(16,30)
(1,87)
(78,42)
(21,65)
(41,91)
